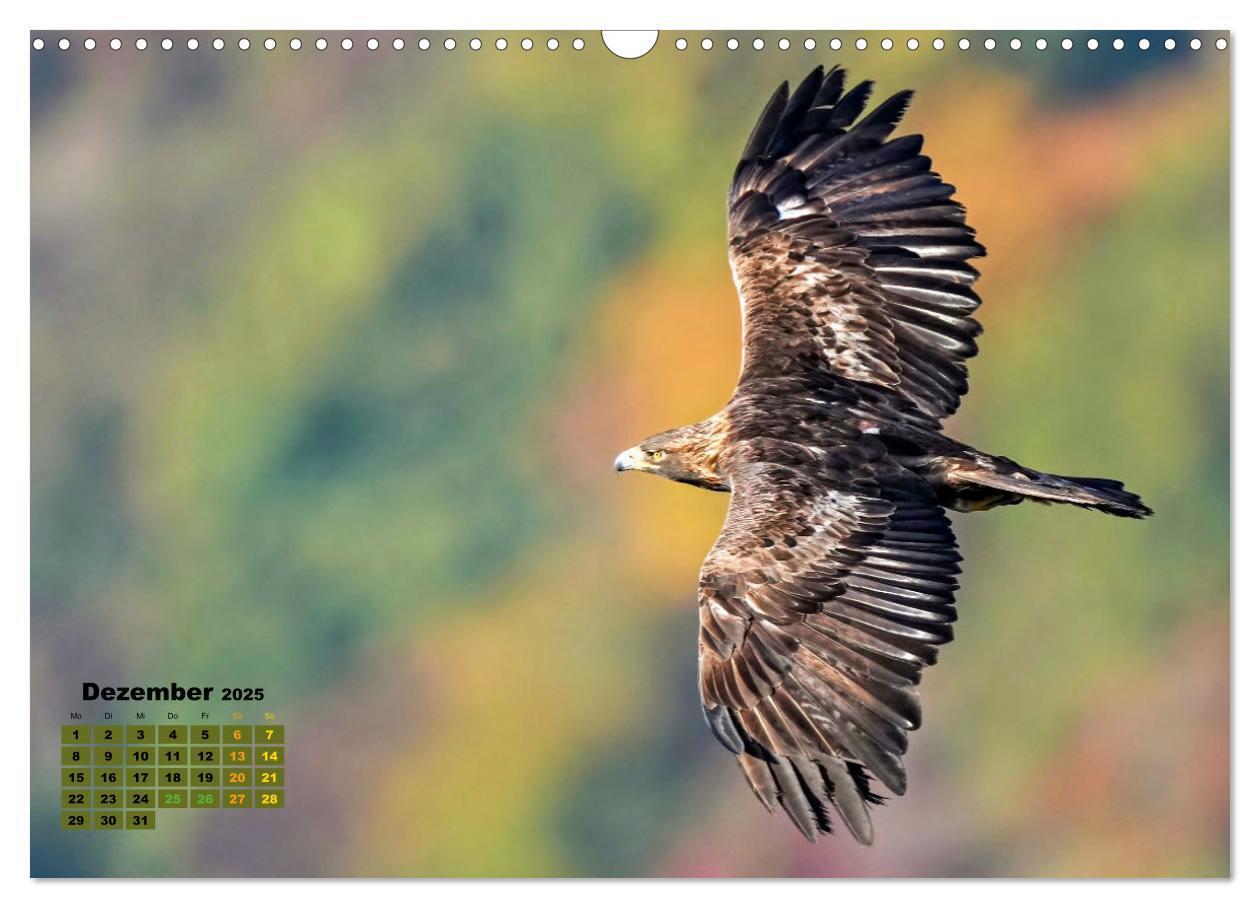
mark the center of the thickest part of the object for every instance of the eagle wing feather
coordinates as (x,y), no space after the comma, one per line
(828,590)
(849,252)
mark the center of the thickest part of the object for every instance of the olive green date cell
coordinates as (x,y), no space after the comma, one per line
(141,819)
(235,777)
(241,798)
(268,756)
(110,820)
(107,734)
(269,777)
(209,798)
(269,798)
(237,734)
(172,756)
(141,734)
(269,734)
(172,734)
(172,797)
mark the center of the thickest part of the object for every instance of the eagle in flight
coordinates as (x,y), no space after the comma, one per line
(831,585)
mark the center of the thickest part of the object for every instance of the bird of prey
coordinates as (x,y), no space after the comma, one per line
(832,583)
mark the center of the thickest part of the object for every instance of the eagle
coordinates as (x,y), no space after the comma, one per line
(831,585)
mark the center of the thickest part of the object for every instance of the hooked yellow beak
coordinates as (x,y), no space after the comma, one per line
(630,459)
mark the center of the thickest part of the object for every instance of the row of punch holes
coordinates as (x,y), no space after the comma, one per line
(681,44)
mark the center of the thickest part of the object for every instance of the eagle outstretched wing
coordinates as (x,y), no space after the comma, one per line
(827,592)
(850,254)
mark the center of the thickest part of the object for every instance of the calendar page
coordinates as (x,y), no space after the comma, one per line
(574,454)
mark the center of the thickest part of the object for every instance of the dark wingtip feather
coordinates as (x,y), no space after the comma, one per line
(852,104)
(881,121)
(796,803)
(723,726)
(767,123)
(848,789)
(798,106)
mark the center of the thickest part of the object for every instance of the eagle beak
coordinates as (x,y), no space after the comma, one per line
(631,459)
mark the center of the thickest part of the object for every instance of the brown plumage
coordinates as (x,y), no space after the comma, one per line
(832,583)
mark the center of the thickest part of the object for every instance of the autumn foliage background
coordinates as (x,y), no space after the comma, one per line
(331,353)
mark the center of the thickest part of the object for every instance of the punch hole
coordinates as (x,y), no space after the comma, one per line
(295,44)
(1042,44)
(784,44)
(1221,44)
(938,44)
(269,44)
(552,44)
(707,44)
(913,43)
(835,44)
(1092,44)
(1195,43)
(810,43)
(758,44)
(217,44)
(732,44)
(38,44)
(192,44)
(373,44)
(631,45)
(860,44)
(475,44)
(1016,44)
(449,43)
(1144,44)
(347,44)
(141,43)
(167,44)
(423,44)
(500,44)
(989,44)
(243,44)
(1118,44)
(115,44)
(321,44)
(527,44)
(964,43)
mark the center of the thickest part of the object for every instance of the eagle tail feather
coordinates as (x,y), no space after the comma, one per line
(973,478)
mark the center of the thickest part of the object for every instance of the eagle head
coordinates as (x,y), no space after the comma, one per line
(687,455)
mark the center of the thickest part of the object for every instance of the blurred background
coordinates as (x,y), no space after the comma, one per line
(332,352)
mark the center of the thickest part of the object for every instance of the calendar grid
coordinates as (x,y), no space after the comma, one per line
(117,776)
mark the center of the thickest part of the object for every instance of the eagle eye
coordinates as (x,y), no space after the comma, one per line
(655,456)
